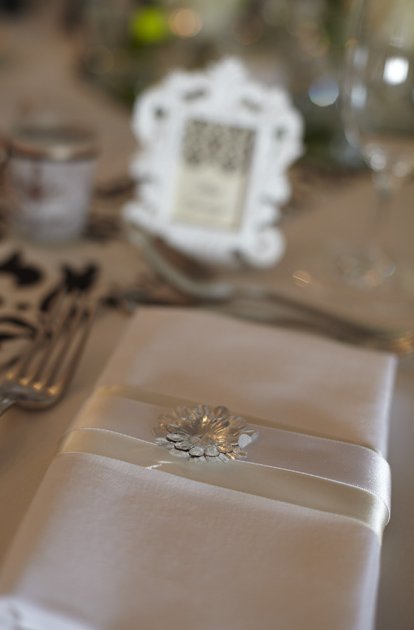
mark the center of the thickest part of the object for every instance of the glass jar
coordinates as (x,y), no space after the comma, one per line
(49,181)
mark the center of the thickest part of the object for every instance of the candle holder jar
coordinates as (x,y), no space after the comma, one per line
(49,181)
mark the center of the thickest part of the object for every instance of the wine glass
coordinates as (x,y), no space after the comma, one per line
(378,115)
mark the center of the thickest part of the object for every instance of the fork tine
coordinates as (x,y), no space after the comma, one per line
(65,319)
(46,370)
(21,367)
(61,371)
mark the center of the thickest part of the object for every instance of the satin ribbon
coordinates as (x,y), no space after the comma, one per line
(342,478)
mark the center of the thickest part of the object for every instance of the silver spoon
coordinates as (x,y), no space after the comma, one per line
(255,302)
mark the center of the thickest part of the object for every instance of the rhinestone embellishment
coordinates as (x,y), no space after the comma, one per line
(204,433)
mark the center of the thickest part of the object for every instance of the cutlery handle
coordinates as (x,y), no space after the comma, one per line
(5,403)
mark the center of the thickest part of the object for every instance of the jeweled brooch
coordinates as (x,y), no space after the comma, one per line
(204,433)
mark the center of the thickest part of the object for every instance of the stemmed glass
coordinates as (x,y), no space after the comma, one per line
(378,115)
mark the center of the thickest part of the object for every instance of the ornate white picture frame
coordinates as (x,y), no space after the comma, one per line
(212,164)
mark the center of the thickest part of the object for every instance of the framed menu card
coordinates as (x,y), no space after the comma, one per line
(212,165)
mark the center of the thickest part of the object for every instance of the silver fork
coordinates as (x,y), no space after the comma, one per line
(45,369)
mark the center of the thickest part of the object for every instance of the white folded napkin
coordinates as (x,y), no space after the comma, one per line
(123,539)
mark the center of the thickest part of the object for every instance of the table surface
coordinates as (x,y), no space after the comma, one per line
(328,208)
